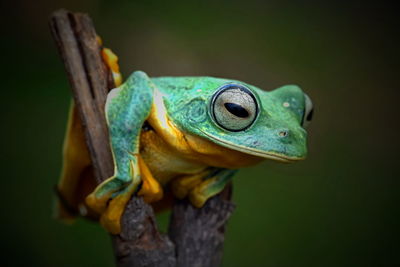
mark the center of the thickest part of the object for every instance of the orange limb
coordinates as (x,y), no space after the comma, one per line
(112,62)
(182,186)
(151,189)
(77,175)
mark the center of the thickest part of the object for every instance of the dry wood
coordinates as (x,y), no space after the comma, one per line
(198,233)
(90,82)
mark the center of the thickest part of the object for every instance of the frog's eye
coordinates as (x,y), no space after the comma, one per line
(234,107)
(308,112)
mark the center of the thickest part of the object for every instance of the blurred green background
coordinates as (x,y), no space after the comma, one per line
(337,208)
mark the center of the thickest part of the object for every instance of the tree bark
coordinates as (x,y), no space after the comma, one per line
(198,233)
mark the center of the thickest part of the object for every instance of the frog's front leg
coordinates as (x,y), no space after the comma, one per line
(127,107)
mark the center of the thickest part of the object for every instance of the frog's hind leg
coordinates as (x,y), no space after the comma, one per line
(201,186)
(151,189)
(213,184)
(182,186)
(76,175)
(127,108)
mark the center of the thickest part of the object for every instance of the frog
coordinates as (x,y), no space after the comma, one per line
(181,136)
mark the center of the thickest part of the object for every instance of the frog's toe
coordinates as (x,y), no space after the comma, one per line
(111,217)
(182,186)
(151,192)
(98,203)
(210,187)
(111,60)
(197,200)
(100,197)
(201,193)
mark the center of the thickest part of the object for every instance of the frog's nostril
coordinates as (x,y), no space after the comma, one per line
(283,133)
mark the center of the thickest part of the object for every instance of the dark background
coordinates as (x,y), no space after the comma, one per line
(337,208)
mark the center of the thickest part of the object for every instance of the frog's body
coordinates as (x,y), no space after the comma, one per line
(166,163)
(187,134)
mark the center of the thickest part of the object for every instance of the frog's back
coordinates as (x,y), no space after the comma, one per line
(178,92)
(187,84)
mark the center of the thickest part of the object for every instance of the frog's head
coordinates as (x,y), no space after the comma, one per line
(247,119)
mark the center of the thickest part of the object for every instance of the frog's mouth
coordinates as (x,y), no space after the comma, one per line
(255,152)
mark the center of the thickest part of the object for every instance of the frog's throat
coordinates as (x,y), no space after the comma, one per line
(255,152)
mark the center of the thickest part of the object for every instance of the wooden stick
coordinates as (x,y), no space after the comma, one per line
(197,233)
(139,243)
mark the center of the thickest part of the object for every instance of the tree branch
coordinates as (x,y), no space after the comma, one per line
(139,243)
(197,233)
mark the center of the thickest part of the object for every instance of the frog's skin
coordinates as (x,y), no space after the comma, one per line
(184,134)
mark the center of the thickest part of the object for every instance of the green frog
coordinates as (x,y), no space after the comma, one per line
(180,136)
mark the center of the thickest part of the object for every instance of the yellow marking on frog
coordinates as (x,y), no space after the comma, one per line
(151,189)
(213,154)
(159,120)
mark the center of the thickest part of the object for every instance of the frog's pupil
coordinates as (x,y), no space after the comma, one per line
(236,110)
(310,115)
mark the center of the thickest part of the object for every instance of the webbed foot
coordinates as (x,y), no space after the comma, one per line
(111,197)
(182,186)
(210,187)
